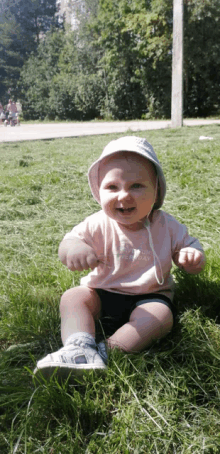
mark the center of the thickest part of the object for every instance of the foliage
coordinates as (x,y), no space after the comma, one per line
(202,58)
(59,81)
(136,39)
(117,63)
(22,25)
(37,75)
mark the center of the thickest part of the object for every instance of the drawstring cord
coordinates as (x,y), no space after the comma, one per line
(156,258)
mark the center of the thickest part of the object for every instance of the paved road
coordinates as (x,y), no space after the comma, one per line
(59,130)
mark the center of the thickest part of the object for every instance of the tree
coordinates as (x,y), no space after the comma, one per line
(22,24)
(136,38)
(37,76)
(202,57)
(117,64)
(61,80)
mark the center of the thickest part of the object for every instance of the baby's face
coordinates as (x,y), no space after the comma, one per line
(127,188)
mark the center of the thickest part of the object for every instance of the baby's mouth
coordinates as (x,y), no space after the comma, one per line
(126,210)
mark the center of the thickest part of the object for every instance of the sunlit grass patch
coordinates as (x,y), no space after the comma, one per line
(163,400)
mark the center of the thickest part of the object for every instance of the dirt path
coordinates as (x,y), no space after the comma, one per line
(59,130)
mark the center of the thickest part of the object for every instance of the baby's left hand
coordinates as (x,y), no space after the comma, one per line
(190,259)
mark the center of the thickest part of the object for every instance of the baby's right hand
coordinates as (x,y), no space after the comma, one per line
(81,257)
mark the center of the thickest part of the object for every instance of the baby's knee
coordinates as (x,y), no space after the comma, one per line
(157,316)
(78,297)
(69,297)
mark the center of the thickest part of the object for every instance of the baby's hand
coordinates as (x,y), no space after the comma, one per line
(190,259)
(81,257)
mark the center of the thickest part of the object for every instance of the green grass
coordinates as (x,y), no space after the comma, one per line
(165,400)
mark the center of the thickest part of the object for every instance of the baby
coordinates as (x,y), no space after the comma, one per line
(129,246)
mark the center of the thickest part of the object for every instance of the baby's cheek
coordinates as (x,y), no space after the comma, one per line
(106,204)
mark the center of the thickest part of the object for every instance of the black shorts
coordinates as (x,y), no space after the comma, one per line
(116,308)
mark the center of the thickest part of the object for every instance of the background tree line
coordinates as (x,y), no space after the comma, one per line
(22,25)
(117,63)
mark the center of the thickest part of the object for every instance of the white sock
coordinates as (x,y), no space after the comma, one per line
(86,336)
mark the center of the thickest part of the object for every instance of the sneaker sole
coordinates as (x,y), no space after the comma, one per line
(63,372)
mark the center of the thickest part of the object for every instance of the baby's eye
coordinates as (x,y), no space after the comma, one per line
(112,187)
(136,185)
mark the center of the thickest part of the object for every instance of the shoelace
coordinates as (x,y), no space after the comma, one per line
(156,258)
(80,343)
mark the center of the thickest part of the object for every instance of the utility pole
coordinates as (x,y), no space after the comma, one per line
(177,66)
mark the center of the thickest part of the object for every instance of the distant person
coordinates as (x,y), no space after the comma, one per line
(19,106)
(12,111)
(8,107)
(129,246)
(19,109)
(2,114)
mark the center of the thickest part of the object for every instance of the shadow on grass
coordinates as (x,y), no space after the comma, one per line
(194,292)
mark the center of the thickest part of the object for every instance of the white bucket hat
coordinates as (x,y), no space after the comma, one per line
(136,145)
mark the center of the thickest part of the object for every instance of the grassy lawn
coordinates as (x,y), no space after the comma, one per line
(164,400)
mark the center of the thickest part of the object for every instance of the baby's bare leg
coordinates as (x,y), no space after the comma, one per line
(147,323)
(79,307)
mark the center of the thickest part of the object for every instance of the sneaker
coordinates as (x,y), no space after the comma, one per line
(77,356)
(103,351)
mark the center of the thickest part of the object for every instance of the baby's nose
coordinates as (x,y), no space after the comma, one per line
(123,194)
